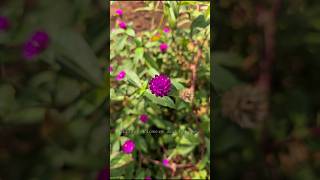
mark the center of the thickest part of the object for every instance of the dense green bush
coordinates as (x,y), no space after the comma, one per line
(160,124)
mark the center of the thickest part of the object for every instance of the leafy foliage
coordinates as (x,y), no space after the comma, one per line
(173,130)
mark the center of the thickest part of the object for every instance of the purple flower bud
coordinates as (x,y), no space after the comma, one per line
(163,47)
(119,12)
(160,85)
(166,30)
(4,23)
(128,146)
(147,178)
(165,162)
(122,25)
(121,75)
(144,118)
(110,68)
(104,174)
(35,45)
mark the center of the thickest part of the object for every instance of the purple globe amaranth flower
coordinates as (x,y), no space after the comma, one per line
(38,42)
(104,174)
(165,162)
(110,68)
(128,146)
(119,12)
(144,118)
(163,47)
(160,85)
(122,25)
(121,75)
(166,30)
(4,23)
(147,178)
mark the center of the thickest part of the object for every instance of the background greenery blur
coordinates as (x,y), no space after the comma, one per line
(52,109)
(266,89)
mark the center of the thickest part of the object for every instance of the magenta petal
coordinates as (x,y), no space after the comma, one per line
(160,85)
(128,147)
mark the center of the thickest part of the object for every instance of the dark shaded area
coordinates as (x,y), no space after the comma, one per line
(271,47)
(53,106)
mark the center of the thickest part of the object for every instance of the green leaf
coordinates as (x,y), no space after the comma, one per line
(130,32)
(120,160)
(161,123)
(78,56)
(125,123)
(199,22)
(141,144)
(203,163)
(138,53)
(140,174)
(163,101)
(189,139)
(177,84)
(121,43)
(184,150)
(133,77)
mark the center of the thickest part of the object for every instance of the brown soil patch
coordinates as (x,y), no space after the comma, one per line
(142,20)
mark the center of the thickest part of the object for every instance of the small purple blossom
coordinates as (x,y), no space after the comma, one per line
(147,178)
(103,174)
(110,68)
(163,47)
(128,146)
(166,30)
(165,162)
(122,25)
(38,42)
(121,75)
(160,85)
(4,23)
(144,118)
(119,12)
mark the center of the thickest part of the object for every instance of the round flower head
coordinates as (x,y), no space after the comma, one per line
(122,25)
(144,118)
(163,47)
(147,178)
(128,146)
(121,75)
(110,68)
(4,23)
(35,45)
(160,85)
(166,30)
(165,162)
(119,12)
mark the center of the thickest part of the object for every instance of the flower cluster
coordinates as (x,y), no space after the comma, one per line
(121,24)
(128,147)
(121,75)
(160,85)
(38,42)
(144,118)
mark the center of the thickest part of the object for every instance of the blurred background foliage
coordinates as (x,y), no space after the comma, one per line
(266,89)
(53,108)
